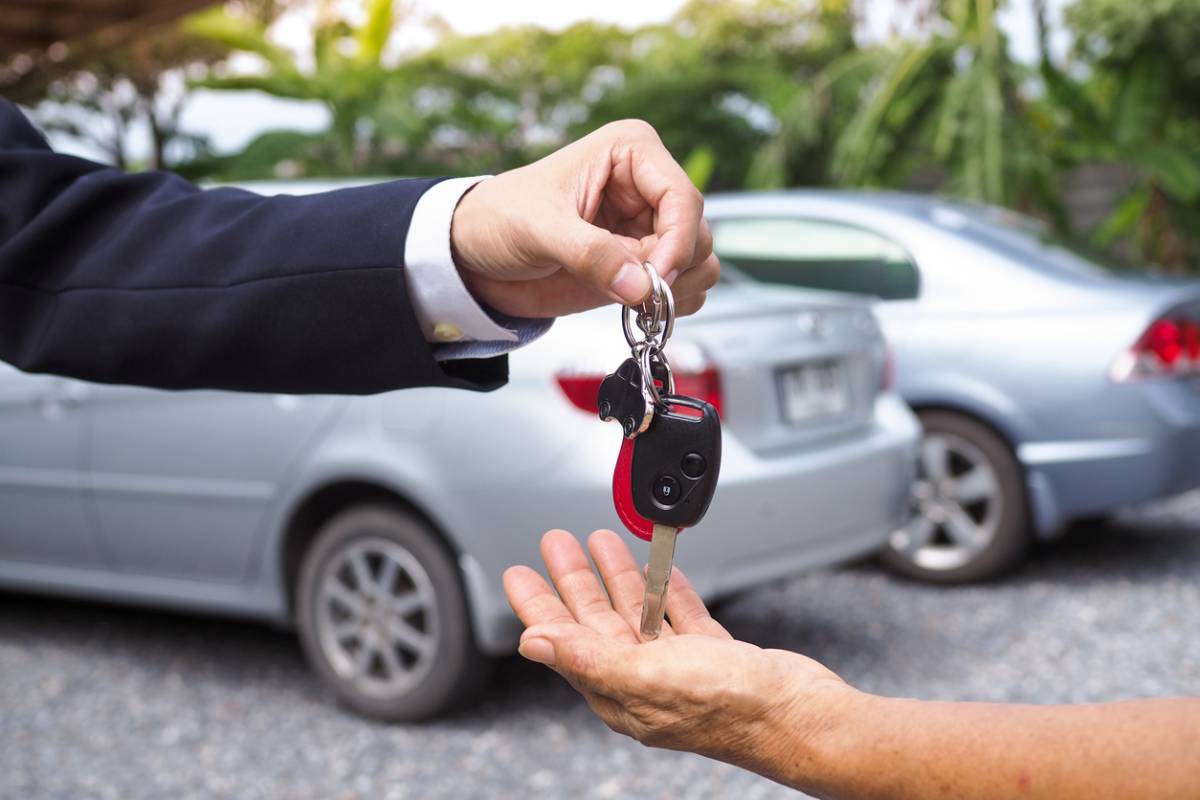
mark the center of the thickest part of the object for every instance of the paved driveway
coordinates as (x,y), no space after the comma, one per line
(104,702)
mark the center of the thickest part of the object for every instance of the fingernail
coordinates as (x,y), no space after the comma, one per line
(671,276)
(539,650)
(631,283)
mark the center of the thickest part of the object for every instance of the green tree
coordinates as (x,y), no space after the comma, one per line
(1140,107)
(347,73)
(717,81)
(953,99)
(99,95)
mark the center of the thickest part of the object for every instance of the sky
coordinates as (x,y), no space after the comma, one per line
(230,120)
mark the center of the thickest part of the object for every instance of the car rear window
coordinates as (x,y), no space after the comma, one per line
(1026,241)
(816,254)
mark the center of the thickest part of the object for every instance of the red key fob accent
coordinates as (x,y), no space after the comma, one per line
(638,525)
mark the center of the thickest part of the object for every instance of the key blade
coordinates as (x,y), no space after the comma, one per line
(658,575)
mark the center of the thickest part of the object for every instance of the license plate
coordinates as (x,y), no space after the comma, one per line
(808,391)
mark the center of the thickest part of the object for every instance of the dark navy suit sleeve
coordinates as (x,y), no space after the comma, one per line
(146,279)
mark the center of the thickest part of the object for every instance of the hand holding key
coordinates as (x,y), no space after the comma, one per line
(569,231)
(694,688)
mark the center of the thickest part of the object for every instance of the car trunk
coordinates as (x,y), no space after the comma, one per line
(796,366)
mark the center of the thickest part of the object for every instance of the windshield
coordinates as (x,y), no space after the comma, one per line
(1026,240)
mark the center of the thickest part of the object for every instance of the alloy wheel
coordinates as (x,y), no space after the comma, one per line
(376,616)
(956,504)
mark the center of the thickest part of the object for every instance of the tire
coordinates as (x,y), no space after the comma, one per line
(348,626)
(938,545)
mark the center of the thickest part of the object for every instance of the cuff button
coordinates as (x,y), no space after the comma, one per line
(447,332)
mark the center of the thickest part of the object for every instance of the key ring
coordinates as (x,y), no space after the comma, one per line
(646,355)
(657,321)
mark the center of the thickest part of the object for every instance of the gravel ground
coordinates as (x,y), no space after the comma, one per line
(106,702)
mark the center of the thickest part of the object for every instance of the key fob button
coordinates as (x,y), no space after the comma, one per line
(693,465)
(666,490)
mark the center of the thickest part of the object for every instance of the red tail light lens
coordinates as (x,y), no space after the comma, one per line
(1163,340)
(887,378)
(581,388)
(704,385)
(1170,347)
(1191,342)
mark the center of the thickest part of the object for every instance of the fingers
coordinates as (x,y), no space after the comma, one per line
(532,598)
(687,611)
(689,287)
(602,260)
(698,279)
(577,586)
(678,205)
(622,577)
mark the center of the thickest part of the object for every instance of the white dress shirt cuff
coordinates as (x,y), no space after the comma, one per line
(446,311)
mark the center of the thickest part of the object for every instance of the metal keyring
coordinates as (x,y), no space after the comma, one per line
(645,355)
(662,322)
(650,312)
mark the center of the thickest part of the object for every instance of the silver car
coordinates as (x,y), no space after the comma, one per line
(1051,390)
(380,526)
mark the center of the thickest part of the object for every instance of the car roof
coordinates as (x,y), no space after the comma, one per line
(909,204)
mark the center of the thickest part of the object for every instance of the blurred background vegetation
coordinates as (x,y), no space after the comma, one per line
(747,94)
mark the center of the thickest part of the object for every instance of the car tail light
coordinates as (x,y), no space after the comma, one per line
(693,376)
(1170,347)
(580,389)
(887,377)
(703,385)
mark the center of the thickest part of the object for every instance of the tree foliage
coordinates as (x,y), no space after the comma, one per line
(99,95)
(746,94)
(1140,107)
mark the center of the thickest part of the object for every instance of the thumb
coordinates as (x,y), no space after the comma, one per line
(582,656)
(601,260)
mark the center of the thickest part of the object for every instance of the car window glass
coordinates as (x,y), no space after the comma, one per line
(816,254)
(1025,240)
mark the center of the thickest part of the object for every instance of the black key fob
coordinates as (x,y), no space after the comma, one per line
(676,462)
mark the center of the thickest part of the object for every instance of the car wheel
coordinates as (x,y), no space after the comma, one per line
(969,511)
(383,617)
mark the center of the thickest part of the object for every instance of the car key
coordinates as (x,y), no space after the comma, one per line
(664,482)
(670,456)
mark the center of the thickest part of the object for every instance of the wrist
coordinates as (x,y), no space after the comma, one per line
(809,737)
(466,227)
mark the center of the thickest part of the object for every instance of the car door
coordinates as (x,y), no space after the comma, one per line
(43,517)
(181,481)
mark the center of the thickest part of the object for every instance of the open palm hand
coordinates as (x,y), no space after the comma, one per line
(694,688)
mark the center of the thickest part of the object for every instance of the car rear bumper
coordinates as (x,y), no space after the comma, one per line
(829,504)
(771,517)
(1070,479)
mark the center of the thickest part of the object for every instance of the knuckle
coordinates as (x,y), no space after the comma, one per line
(636,128)
(580,664)
(695,615)
(591,250)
